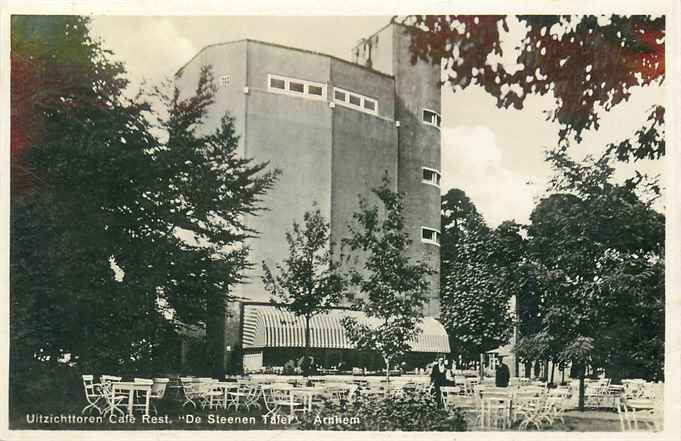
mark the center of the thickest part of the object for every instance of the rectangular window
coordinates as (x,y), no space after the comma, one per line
(277,83)
(431,118)
(225,80)
(296,87)
(355,100)
(428,235)
(314,90)
(430,176)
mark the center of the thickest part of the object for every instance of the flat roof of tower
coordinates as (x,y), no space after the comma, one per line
(267,43)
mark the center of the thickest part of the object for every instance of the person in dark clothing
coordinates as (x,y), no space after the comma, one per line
(503,374)
(438,378)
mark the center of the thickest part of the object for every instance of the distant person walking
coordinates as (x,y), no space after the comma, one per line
(438,378)
(503,374)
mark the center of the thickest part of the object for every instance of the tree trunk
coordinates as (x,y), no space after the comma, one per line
(387,369)
(553,370)
(215,338)
(546,370)
(306,372)
(581,392)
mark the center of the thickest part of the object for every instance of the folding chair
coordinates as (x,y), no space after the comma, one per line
(189,388)
(93,394)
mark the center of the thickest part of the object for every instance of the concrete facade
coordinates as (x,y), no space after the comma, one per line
(330,152)
(417,88)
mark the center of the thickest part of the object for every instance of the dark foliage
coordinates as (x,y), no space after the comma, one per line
(588,64)
(410,412)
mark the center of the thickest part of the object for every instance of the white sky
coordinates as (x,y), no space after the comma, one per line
(495,155)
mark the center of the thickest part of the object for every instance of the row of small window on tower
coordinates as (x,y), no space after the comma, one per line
(343,97)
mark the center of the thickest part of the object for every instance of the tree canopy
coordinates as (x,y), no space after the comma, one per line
(598,251)
(102,196)
(392,288)
(588,64)
(308,282)
(477,271)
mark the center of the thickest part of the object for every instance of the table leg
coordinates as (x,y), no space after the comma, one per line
(482,415)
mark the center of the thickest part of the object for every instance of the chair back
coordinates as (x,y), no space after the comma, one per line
(158,388)
(89,386)
(187,386)
(281,391)
(110,378)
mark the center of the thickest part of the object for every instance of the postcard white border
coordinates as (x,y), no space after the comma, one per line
(672,429)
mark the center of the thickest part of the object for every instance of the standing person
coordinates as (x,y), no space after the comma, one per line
(503,374)
(451,379)
(438,378)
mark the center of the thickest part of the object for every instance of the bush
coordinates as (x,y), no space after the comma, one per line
(410,412)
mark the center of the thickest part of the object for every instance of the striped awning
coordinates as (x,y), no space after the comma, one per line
(267,326)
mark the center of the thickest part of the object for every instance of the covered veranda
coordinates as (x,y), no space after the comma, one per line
(272,336)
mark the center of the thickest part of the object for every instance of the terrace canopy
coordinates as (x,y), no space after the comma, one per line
(267,326)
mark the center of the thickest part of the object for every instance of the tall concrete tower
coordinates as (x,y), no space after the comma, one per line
(334,128)
(417,108)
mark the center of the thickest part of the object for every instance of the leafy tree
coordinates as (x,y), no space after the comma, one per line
(589,64)
(205,193)
(599,254)
(78,159)
(309,281)
(393,288)
(475,267)
(96,258)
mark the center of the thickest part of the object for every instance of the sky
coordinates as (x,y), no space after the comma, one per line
(495,155)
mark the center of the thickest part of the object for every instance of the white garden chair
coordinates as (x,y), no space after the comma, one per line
(93,395)
(115,403)
(281,396)
(158,391)
(207,393)
(190,390)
